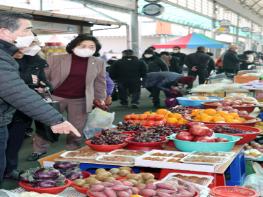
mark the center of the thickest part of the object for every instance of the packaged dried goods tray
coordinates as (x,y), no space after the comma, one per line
(83,154)
(214,154)
(203,190)
(160,158)
(116,159)
(203,180)
(209,160)
(126,152)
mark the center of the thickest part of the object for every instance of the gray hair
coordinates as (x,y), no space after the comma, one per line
(9,20)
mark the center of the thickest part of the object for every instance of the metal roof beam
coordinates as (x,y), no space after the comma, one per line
(240,10)
(254,3)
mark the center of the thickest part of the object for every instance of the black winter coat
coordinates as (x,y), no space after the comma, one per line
(198,59)
(15,94)
(128,69)
(154,64)
(33,65)
(231,61)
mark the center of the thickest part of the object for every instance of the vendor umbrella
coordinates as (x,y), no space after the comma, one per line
(193,40)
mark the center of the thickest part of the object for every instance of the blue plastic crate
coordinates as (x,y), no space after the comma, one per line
(236,172)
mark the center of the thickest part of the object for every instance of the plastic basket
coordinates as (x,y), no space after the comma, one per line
(233,191)
(189,146)
(244,79)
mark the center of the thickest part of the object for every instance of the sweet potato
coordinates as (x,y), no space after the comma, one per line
(98,194)
(120,187)
(162,194)
(97,188)
(110,192)
(165,186)
(123,194)
(167,191)
(148,192)
(135,190)
(151,186)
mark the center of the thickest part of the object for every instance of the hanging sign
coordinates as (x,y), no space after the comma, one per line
(152,9)
(225,23)
(245,29)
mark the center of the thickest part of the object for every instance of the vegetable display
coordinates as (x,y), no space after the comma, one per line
(70,170)
(176,188)
(44,177)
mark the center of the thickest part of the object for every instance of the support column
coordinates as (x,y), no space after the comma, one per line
(135,30)
(237,29)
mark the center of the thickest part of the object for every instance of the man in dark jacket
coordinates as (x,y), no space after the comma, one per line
(157,81)
(231,62)
(177,61)
(153,62)
(31,69)
(15,31)
(128,72)
(197,64)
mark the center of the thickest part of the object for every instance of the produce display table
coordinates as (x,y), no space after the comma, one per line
(235,162)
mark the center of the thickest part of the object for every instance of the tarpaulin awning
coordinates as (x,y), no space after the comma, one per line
(192,40)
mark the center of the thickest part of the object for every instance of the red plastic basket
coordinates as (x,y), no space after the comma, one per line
(49,190)
(105,148)
(213,106)
(233,191)
(144,145)
(245,137)
(251,121)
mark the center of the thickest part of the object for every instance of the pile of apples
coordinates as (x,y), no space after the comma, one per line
(198,132)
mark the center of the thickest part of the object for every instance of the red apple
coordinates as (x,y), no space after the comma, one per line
(221,139)
(184,135)
(200,130)
(204,139)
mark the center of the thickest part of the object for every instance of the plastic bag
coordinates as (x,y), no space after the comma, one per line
(96,121)
(255,181)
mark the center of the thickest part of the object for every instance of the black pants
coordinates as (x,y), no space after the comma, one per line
(155,93)
(16,130)
(129,88)
(202,75)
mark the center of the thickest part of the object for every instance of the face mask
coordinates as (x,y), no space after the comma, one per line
(176,51)
(85,52)
(24,41)
(148,55)
(32,51)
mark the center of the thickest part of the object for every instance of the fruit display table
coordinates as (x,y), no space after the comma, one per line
(221,173)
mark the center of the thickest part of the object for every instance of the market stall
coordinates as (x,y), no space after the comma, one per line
(198,149)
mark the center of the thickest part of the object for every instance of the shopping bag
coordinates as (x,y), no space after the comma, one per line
(97,120)
(100,119)
(45,131)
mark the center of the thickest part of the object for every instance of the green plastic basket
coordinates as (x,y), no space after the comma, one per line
(189,146)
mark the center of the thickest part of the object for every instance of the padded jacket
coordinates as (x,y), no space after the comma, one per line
(15,94)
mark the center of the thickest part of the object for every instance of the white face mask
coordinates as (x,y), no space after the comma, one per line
(148,55)
(83,52)
(24,41)
(32,51)
(176,50)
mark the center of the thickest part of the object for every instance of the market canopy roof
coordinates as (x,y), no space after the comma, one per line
(192,40)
